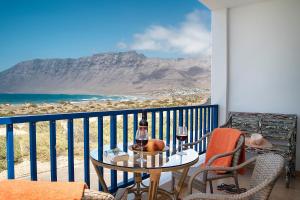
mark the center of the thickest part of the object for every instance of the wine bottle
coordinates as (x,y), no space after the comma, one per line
(143,124)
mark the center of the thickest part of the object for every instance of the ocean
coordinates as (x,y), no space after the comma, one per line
(55,98)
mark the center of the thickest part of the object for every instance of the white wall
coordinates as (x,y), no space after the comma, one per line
(264,59)
(219,80)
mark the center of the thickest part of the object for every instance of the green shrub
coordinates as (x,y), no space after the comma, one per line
(17,152)
(43,141)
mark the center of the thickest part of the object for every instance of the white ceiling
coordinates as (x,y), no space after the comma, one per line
(219,4)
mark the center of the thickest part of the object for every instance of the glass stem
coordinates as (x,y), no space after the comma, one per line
(180,146)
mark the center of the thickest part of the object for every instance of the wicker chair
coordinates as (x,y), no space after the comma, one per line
(201,181)
(266,171)
(96,195)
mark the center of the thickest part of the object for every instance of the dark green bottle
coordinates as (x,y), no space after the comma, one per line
(143,124)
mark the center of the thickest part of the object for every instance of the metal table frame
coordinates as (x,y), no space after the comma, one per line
(138,188)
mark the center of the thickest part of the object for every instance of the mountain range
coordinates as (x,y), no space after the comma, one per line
(121,73)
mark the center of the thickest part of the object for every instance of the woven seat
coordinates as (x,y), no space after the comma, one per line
(97,195)
(265,173)
(201,181)
(212,176)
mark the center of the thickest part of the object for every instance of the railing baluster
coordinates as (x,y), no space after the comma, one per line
(153,124)
(135,125)
(196,128)
(180,117)
(100,145)
(71,150)
(215,116)
(125,143)
(86,133)
(191,125)
(113,144)
(53,150)
(174,129)
(181,122)
(212,118)
(168,128)
(32,141)
(161,125)
(204,127)
(186,115)
(201,130)
(209,119)
(187,118)
(168,131)
(10,151)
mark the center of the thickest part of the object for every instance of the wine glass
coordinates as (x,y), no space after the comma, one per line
(181,135)
(141,138)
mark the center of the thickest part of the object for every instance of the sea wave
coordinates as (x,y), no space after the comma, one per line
(56,98)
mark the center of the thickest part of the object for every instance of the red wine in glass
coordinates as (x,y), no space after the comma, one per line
(141,138)
(181,137)
(141,142)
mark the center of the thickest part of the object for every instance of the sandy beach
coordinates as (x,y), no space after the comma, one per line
(92,106)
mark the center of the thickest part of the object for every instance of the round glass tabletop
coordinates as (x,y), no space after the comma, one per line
(164,161)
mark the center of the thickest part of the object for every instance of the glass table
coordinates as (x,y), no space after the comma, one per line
(155,165)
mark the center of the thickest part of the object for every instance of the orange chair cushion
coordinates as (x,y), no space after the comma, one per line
(36,190)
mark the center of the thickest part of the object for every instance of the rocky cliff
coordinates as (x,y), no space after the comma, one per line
(105,73)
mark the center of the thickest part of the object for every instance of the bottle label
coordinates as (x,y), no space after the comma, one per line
(143,128)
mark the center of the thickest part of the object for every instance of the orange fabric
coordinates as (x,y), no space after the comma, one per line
(224,140)
(36,190)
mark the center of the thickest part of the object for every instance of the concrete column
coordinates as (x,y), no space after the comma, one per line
(219,71)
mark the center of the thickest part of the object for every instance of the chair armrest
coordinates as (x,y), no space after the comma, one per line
(93,194)
(121,194)
(198,171)
(215,157)
(198,141)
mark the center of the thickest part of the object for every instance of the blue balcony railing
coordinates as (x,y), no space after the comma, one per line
(199,120)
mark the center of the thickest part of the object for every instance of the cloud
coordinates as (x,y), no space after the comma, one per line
(191,37)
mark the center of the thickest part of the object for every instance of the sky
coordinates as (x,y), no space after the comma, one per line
(32,29)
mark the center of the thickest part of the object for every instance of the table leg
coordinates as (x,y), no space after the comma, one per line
(100,177)
(287,176)
(178,188)
(154,182)
(138,180)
